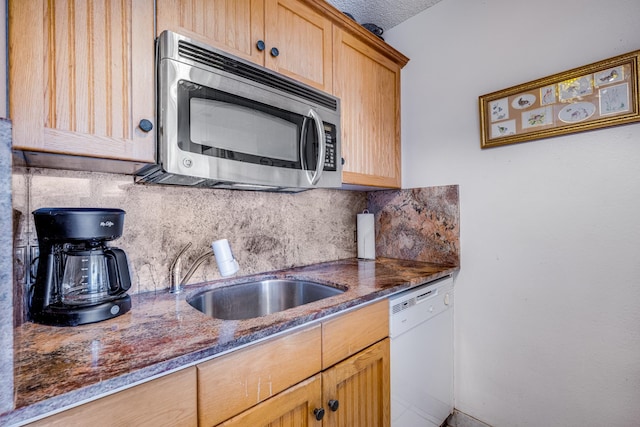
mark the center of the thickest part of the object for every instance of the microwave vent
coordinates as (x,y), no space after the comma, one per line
(221,62)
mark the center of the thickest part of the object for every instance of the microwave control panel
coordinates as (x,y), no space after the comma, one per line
(330,143)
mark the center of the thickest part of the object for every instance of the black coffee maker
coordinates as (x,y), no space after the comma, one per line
(79,279)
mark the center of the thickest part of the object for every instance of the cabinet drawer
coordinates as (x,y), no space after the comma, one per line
(230,384)
(292,407)
(348,334)
(166,401)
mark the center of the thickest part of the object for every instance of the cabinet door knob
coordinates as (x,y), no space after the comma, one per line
(333,405)
(275,52)
(145,125)
(260,45)
(319,413)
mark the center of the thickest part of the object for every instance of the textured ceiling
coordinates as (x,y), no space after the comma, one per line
(384,13)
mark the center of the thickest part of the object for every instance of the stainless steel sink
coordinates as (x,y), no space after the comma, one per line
(255,299)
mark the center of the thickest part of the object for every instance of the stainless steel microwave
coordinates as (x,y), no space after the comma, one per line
(224,122)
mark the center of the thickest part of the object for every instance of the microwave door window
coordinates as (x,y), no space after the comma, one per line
(239,130)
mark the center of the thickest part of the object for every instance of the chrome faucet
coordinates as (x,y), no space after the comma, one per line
(176,285)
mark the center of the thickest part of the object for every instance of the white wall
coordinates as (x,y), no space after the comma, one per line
(548,297)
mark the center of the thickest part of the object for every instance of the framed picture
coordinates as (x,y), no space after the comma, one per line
(594,96)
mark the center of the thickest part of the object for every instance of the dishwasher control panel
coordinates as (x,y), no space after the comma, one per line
(410,308)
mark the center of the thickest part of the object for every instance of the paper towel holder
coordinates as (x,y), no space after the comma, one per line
(366,235)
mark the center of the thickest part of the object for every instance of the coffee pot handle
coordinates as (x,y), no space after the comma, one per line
(119,268)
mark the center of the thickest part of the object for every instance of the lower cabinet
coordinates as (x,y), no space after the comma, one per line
(353,393)
(333,374)
(167,401)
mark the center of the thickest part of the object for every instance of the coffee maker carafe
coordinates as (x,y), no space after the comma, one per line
(79,278)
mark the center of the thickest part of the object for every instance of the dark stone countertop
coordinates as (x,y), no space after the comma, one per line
(55,367)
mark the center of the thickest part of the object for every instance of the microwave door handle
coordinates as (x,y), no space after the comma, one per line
(303,142)
(323,147)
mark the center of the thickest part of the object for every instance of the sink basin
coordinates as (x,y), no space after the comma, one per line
(255,299)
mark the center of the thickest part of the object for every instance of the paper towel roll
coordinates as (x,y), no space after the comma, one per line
(366,236)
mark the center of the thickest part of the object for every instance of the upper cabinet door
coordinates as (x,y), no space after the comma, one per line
(82,77)
(283,35)
(368,85)
(303,42)
(235,26)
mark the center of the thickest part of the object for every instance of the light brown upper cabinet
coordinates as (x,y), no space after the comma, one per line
(284,35)
(81,77)
(234,26)
(368,85)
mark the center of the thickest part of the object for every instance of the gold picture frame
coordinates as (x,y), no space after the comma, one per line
(598,95)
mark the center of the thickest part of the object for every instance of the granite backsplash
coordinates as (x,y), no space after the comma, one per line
(267,231)
(420,224)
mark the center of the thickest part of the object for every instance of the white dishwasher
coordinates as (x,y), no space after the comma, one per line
(421,331)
